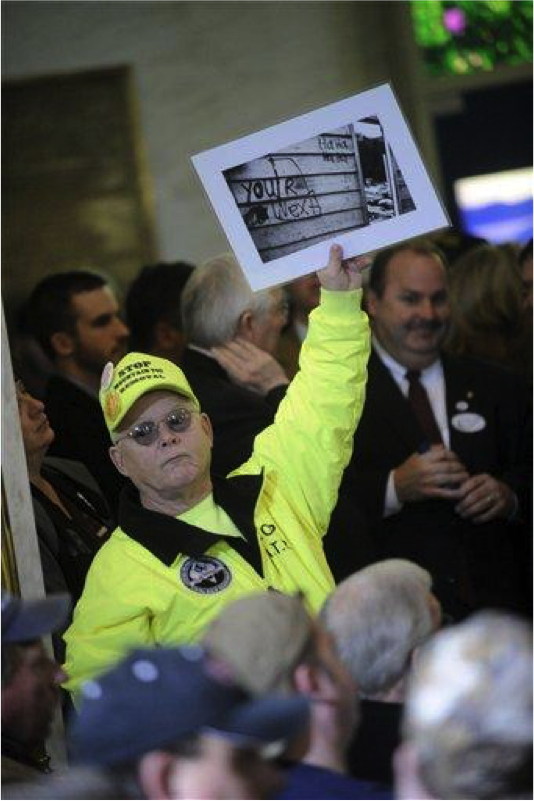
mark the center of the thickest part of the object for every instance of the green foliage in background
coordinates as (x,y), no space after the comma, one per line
(472,35)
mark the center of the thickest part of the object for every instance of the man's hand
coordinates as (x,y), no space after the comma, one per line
(249,366)
(438,473)
(484,498)
(339,275)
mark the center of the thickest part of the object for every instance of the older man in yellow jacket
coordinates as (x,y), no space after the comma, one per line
(189,543)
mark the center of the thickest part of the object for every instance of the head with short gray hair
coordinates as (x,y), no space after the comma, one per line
(378,616)
(468,711)
(214,299)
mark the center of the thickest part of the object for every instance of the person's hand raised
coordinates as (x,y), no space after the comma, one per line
(341,275)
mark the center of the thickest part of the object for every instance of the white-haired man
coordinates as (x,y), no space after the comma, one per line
(231,333)
(378,617)
(467,728)
(188,542)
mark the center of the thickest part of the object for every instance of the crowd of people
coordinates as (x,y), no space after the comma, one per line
(285,535)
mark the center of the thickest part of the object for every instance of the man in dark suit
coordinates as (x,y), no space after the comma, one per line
(440,463)
(231,334)
(75,317)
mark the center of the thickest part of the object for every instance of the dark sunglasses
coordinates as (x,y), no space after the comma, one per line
(147,432)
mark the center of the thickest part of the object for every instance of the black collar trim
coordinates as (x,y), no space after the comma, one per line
(166,537)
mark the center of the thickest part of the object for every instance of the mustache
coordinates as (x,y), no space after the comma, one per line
(425,325)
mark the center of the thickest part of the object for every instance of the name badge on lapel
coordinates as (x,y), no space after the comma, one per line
(468,422)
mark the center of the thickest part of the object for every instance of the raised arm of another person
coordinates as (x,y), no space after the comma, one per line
(310,442)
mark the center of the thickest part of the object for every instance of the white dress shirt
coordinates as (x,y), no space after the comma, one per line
(433,381)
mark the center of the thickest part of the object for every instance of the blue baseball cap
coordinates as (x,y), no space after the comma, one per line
(28,620)
(157,697)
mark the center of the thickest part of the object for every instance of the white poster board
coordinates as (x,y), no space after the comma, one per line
(348,173)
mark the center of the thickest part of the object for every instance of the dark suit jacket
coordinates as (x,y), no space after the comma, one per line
(370,754)
(236,413)
(472,565)
(81,434)
(237,416)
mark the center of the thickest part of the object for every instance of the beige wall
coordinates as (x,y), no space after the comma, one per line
(207,72)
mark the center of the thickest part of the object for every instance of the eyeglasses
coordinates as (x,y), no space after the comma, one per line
(147,432)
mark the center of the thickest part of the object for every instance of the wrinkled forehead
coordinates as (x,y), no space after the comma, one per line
(153,406)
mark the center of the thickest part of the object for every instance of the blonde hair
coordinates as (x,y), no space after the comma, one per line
(485,297)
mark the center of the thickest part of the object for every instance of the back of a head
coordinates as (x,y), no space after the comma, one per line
(377,617)
(486,297)
(154,296)
(213,300)
(263,637)
(468,712)
(525,253)
(49,305)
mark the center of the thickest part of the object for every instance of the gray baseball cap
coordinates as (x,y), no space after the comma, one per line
(28,620)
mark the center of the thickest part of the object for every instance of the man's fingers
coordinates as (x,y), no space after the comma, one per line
(334,266)
(480,503)
(445,493)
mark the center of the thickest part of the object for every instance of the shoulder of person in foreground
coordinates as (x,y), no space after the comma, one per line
(112,614)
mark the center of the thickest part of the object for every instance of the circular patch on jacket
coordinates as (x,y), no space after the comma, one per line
(205,575)
(468,422)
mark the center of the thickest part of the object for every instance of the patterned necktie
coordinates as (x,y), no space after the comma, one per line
(421,407)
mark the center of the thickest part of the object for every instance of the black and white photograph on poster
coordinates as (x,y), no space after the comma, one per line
(283,195)
(386,191)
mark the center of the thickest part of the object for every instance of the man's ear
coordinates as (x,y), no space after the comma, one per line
(371,301)
(306,680)
(408,782)
(167,337)
(116,457)
(153,771)
(205,422)
(245,326)
(63,343)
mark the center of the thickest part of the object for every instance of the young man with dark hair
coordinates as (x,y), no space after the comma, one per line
(153,309)
(75,317)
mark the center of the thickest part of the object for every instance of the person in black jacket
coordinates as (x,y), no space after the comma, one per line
(71,515)
(231,334)
(75,318)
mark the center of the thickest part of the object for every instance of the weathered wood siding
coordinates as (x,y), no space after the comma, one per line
(294,198)
(404,199)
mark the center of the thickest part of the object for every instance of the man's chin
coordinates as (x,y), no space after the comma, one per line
(426,345)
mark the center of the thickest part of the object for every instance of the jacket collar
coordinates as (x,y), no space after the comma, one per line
(166,537)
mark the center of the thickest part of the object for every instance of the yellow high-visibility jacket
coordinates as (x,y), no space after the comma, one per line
(159,580)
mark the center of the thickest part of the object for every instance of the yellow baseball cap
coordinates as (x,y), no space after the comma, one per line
(134,376)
